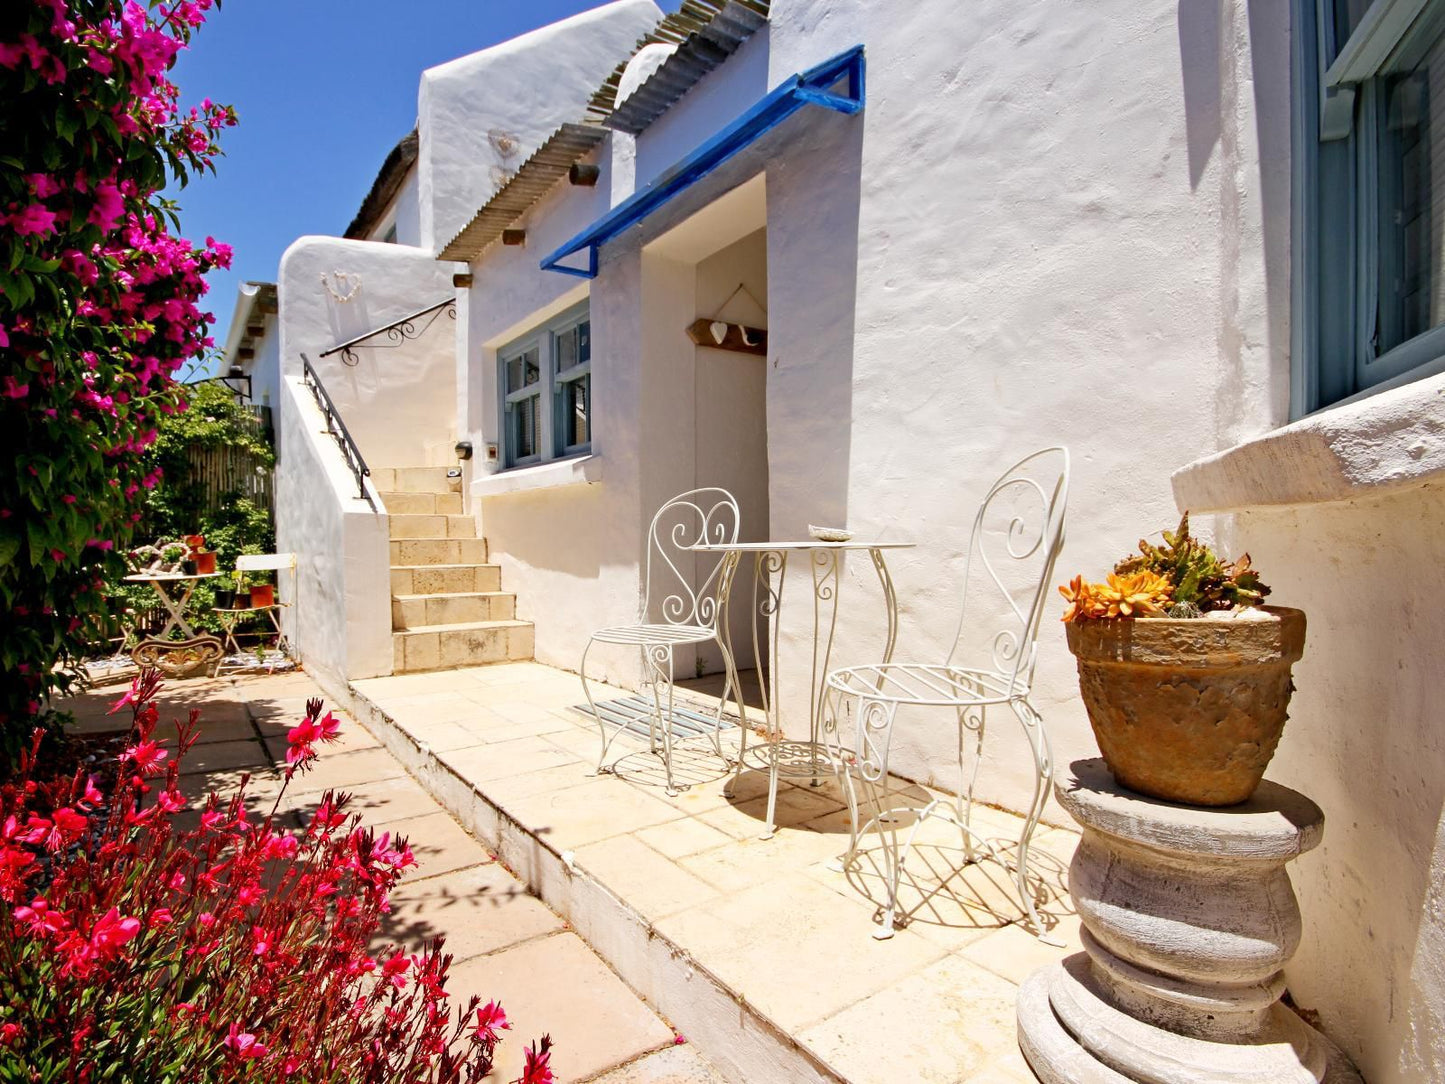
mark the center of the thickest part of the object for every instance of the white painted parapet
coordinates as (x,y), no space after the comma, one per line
(339,617)
(480,116)
(398,401)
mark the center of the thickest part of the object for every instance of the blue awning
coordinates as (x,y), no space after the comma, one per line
(812,87)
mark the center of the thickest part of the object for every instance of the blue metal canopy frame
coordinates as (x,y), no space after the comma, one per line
(812,87)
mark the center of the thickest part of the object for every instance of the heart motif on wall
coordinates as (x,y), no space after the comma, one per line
(719,331)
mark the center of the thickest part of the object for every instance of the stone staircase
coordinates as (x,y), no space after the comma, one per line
(447,604)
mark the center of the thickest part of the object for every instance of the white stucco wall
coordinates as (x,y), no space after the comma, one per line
(729,412)
(265,367)
(399,404)
(404,213)
(1049,225)
(339,620)
(1364,742)
(569,553)
(521,90)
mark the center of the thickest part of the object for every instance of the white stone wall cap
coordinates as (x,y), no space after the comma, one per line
(1276,824)
(1391,440)
(579,470)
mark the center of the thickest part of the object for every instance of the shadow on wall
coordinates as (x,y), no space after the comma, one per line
(814,184)
(1214,76)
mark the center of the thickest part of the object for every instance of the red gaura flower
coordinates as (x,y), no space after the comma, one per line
(243,1044)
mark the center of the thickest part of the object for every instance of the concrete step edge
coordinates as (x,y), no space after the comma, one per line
(464,626)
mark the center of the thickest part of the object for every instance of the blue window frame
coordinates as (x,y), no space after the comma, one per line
(1369,196)
(545,390)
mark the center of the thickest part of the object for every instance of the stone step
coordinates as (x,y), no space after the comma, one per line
(442,579)
(438,551)
(422,504)
(419,526)
(413,611)
(415,480)
(471,643)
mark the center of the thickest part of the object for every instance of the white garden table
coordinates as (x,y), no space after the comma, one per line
(780,755)
(175,607)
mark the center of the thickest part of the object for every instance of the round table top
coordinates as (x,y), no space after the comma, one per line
(810,544)
(152,577)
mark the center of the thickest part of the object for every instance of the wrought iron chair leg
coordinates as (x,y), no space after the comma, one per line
(971,720)
(592,706)
(887,829)
(664,721)
(1042,750)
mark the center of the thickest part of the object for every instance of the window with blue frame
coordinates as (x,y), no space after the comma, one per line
(545,380)
(1369,199)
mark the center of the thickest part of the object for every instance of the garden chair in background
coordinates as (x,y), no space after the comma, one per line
(259,562)
(1015,541)
(683,587)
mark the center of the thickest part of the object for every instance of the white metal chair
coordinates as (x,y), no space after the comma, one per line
(259,562)
(1016,538)
(685,587)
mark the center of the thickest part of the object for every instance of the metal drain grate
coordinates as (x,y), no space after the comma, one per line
(632,713)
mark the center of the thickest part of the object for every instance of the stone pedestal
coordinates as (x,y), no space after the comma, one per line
(1189,917)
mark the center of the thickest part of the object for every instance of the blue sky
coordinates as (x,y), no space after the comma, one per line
(324,89)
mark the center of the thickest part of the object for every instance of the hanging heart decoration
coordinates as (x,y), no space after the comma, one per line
(719,331)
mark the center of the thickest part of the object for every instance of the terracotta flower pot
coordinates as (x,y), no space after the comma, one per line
(1189,711)
(263,594)
(205,562)
(195,541)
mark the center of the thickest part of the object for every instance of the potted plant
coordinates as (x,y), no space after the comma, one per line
(1185,675)
(173,557)
(241,599)
(262,594)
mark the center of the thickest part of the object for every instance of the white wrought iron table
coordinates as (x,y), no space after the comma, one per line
(175,658)
(779,754)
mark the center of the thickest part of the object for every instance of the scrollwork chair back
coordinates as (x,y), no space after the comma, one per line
(1016,538)
(684,584)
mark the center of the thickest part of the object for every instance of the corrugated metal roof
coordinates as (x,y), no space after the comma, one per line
(547,164)
(706,32)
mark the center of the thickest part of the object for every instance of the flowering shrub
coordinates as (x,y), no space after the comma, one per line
(1182,578)
(98,308)
(232,950)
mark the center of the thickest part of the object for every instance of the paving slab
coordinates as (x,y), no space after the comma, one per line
(761,951)
(505,942)
(558,985)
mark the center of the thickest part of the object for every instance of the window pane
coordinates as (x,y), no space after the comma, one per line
(574,346)
(1348,14)
(576,412)
(1412,201)
(523,370)
(524,429)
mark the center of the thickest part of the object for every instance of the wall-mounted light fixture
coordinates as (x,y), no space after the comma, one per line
(463,449)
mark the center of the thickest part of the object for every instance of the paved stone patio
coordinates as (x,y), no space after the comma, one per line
(759,951)
(507,943)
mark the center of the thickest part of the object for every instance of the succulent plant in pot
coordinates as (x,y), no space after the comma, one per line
(1185,675)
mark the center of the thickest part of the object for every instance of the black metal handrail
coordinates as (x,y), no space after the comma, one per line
(337,428)
(398,331)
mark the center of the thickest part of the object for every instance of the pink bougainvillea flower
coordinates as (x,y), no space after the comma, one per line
(34,219)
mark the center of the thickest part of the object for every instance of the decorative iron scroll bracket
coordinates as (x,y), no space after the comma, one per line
(337,428)
(397,333)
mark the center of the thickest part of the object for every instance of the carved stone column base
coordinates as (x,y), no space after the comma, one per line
(1188,920)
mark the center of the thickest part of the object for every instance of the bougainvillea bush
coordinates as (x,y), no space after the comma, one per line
(98,309)
(234,949)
